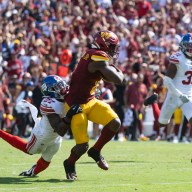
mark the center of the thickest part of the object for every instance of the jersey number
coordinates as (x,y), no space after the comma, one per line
(189,78)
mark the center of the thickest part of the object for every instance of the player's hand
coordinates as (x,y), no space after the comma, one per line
(97,93)
(184,98)
(75,109)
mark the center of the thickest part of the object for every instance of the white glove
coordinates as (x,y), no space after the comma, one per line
(184,98)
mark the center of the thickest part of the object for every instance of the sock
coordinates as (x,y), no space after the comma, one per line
(73,158)
(176,129)
(105,137)
(156,127)
(156,111)
(41,165)
(141,128)
(13,140)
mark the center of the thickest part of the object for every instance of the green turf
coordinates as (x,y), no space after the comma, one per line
(134,167)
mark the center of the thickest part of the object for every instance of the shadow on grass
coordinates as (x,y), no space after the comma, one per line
(115,162)
(28,180)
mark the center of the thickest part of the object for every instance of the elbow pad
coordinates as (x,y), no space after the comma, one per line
(168,82)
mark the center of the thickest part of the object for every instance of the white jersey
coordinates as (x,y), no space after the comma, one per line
(183,82)
(183,77)
(43,139)
(49,106)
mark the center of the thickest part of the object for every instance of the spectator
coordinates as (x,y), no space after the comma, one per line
(134,98)
(37,95)
(33,35)
(14,67)
(23,114)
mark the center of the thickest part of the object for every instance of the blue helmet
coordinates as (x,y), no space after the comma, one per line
(55,87)
(186,44)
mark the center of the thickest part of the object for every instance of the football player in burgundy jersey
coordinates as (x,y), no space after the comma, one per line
(46,136)
(93,66)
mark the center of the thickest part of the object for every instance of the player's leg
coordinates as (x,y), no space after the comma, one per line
(177,121)
(186,109)
(171,103)
(40,166)
(152,100)
(13,140)
(47,156)
(69,164)
(45,159)
(103,114)
(79,125)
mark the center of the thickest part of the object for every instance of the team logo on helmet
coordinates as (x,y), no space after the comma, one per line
(186,44)
(44,87)
(108,42)
(54,87)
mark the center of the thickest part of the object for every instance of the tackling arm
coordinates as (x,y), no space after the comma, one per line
(61,125)
(58,124)
(109,72)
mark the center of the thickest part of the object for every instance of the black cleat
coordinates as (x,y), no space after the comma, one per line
(70,171)
(28,173)
(151,99)
(99,159)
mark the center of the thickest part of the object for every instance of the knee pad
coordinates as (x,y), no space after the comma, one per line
(80,149)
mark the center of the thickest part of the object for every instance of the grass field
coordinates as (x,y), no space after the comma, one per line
(134,167)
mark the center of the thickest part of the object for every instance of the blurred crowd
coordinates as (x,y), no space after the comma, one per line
(43,37)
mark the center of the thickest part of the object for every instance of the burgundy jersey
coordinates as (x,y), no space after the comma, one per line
(83,83)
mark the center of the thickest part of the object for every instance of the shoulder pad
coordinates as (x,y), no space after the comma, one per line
(174,58)
(46,106)
(99,56)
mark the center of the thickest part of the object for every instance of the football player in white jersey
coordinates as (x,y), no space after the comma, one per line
(178,81)
(46,136)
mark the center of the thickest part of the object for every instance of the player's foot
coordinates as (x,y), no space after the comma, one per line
(70,171)
(151,99)
(143,138)
(158,138)
(99,159)
(28,173)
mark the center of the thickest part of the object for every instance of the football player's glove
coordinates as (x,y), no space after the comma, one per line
(184,98)
(75,109)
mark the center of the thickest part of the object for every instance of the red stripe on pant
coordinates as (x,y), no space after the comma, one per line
(31,143)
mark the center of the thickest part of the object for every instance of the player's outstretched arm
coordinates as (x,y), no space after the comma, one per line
(109,72)
(61,125)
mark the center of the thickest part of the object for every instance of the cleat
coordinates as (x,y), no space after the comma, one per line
(70,171)
(28,173)
(151,99)
(99,159)
(143,138)
(158,138)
